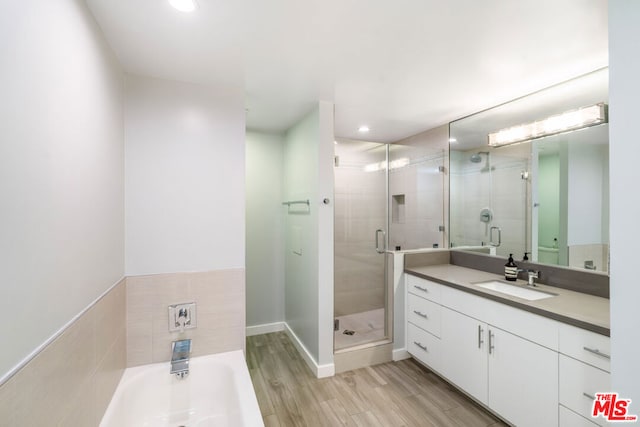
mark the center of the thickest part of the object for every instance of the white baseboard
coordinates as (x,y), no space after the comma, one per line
(400,354)
(266,328)
(320,371)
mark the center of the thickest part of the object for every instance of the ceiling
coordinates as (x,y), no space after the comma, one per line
(399,67)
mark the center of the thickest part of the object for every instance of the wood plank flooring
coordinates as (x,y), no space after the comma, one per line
(392,394)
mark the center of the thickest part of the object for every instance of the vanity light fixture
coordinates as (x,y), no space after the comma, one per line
(393,164)
(565,122)
(363,129)
(184,5)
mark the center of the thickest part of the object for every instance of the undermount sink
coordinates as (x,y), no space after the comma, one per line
(514,290)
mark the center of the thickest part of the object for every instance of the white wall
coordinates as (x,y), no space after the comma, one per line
(586,171)
(265,230)
(184,177)
(308,166)
(325,233)
(624,87)
(61,170)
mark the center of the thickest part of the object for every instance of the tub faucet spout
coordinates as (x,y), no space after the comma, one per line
(181,351)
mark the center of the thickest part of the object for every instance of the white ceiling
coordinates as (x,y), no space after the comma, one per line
(401,67)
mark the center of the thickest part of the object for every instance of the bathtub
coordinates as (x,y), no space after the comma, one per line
(217,392)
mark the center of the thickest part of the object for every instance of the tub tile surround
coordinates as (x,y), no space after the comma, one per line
(70,382)
(219,296)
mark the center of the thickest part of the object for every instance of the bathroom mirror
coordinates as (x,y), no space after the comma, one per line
(547,197)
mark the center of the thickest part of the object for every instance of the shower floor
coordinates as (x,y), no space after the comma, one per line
(368,326)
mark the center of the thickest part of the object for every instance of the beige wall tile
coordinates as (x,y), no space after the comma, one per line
(8,403)
(58,386)
(140,291)
(70,383)
(139,343)
(220,300)
(52,380)
(107,377)
(82,411)
(110,319)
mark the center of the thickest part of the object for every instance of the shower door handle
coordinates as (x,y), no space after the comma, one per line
(380,251)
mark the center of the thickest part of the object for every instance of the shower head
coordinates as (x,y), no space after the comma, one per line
(476,157)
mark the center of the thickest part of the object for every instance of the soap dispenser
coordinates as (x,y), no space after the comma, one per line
(511,270)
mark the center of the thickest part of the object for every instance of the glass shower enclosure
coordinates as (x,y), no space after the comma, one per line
(360,243)
(388,197)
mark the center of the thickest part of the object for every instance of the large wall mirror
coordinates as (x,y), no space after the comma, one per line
(546,196)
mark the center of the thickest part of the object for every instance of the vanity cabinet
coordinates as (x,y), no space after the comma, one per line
(523,380)
(465,350)
(515,377)
(527,368)
(584,365)
(424,321)
(486,349)
(569,418)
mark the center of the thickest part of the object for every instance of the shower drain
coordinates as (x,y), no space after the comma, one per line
(348,332)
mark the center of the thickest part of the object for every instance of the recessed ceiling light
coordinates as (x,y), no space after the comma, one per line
(452,140)
(184,5)
(363,129)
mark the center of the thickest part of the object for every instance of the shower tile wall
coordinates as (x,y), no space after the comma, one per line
(71,381)
(422,186)
(359,211)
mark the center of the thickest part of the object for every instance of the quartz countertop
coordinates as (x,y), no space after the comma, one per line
(574,308)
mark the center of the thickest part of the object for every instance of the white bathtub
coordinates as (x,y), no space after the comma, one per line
(217,392)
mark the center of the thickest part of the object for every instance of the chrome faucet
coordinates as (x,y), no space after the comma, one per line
(532,275)
(181,351)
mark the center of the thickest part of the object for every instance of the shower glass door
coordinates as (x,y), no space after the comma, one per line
(361,176)
(417,190)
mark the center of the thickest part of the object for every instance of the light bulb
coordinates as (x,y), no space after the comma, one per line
(184,5)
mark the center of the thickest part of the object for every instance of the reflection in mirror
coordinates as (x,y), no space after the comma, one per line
(547,198)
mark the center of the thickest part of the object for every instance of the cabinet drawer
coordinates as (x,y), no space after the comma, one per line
(569,418)
(425,314)
(586,346)
(579,381)
(424,288)
(423,346)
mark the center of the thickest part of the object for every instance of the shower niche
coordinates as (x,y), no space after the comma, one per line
(397,209)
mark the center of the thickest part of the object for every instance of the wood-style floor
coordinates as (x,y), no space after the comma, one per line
(392,394)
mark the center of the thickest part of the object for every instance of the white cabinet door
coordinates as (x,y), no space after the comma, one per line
(464,352)
(523,380)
